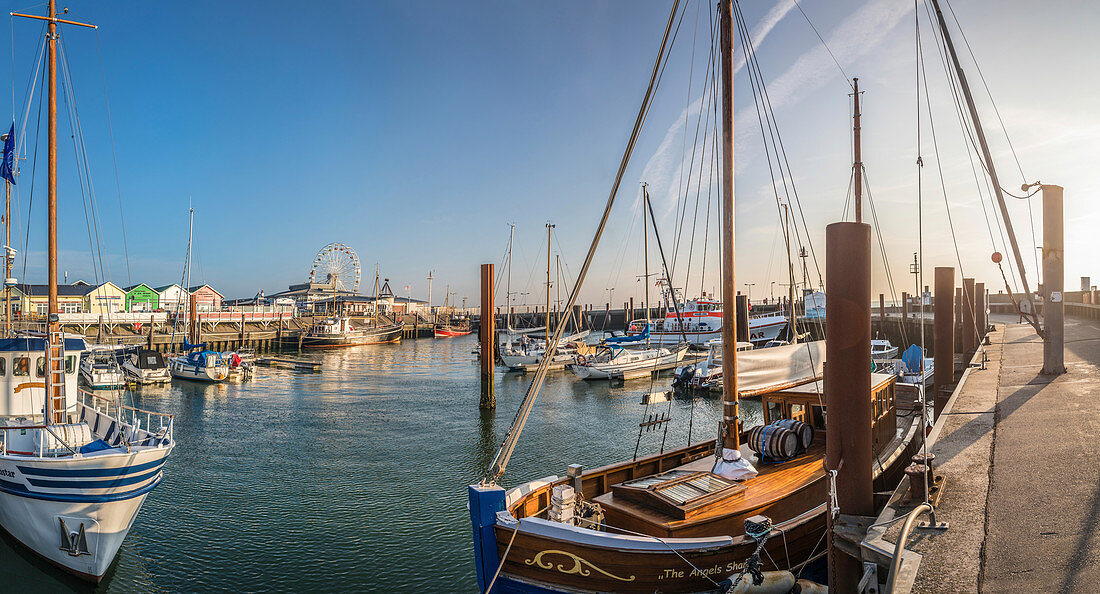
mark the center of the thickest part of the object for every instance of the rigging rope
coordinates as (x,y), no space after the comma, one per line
(500,460)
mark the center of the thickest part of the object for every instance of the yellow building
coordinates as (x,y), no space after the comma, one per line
(34,300)
(107,298)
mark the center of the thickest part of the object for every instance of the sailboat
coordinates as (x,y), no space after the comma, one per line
(692,519)
(74,467)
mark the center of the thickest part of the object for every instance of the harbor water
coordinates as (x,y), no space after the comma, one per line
(355,477)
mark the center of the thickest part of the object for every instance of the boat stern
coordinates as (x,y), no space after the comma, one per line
(484,503)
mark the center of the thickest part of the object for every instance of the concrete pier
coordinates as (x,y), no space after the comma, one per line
(1019,453)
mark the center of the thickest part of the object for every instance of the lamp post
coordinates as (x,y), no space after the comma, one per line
(749,292)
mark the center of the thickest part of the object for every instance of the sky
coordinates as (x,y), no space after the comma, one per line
(416,133)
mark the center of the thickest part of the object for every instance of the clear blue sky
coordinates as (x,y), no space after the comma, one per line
(416,132)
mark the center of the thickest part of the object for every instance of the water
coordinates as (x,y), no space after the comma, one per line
(355,477)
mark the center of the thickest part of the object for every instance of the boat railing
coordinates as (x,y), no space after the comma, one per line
(39,445)
(907,527)
(129,414)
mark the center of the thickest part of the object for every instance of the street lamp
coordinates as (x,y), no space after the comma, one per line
(749,292)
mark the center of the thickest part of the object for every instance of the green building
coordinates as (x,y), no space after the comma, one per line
(142,298)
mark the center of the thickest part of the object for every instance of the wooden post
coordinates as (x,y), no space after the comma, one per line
(1053,282)
(979,310)
(943,338)
(152,318)
(193,319)
(630,317)
(882,313)
(904,306)
(743,318)
(488,339)
(958,320)
(969,333)
(848,385)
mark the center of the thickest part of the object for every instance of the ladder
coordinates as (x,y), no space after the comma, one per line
(55,375)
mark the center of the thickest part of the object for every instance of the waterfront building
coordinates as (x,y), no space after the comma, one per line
(206,298)
(33,300)
(106,299)
(142,298)
(172,297)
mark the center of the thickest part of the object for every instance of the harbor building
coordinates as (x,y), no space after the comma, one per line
(207,298)
(172,297)
(141,298)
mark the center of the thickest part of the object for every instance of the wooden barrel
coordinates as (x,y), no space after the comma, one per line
(773,442)
(804,431)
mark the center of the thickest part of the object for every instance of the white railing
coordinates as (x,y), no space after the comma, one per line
(128,414)
(113,318)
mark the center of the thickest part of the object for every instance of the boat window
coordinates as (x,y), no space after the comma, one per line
(70,364)
(40,367)
(3,366)
(21,366)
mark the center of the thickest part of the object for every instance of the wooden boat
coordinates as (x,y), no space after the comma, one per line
(460,328)
(337,332)
(697,518)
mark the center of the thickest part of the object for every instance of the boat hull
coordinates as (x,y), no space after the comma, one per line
(33,514)
(448,333)
(383,335)
(760,330)
(146,376)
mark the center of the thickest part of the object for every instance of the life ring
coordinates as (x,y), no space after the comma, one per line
(582,360)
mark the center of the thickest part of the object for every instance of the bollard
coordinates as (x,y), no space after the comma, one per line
(943,338)
(1053,282)
(848,384)
(488,339)
(969,332)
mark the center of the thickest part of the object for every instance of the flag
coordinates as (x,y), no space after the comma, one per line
(7,168)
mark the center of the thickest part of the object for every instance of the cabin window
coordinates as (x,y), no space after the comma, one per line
(774,411)
(40,367)
(70,364)
(21,366)
(3,366)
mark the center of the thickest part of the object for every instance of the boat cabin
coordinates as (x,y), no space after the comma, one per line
(331,327)
(806,403)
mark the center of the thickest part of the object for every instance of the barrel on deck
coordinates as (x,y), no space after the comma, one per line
(773,442)
(803,431)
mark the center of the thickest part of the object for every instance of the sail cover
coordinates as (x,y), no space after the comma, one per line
(776,368)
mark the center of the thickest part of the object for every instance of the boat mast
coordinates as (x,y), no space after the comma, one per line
(857,153)
(187,289)
(549,230)
(731,430)
(645,249)
(1032,318)
(375,294)
(508,288)
(790,268)
(7,247)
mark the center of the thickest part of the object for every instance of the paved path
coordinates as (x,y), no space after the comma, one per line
(1021,453)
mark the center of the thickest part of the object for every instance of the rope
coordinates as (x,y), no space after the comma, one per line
(502,559)
(114,157)
(839,67)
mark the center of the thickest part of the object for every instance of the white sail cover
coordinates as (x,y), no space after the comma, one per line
(774,368)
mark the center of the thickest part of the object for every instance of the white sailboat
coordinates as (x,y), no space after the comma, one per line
(615,362)
(74,467)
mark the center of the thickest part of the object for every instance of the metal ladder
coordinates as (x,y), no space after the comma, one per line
(55,375)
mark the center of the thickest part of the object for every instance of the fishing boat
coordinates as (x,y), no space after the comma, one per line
(701,321)
(699,517)
(75,467)
(146,366)
(338,331)
(458,326)
(882,349)
(199,364)
(100,370)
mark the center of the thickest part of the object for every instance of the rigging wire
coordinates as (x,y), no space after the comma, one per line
(114,157)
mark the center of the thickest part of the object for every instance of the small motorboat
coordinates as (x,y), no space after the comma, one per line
(100,370)
(614,362)
(882,349)
(146,366)
(199,364)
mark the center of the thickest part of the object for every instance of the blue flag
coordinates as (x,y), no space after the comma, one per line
(7,168)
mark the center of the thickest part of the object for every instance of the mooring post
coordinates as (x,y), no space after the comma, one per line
(882,313)
(904,306)
(979,310)
(631,317)
(152,318)
(1053,282)
(193,319)
(969,332)
(743,318)
(488,338)
(958,319)
(848,385)
(943,338)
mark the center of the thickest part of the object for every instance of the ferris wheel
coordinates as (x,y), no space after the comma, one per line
(337,265)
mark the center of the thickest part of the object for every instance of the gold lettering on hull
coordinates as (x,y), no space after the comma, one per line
(577,568)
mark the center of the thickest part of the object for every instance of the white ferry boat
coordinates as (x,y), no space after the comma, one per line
(701,321)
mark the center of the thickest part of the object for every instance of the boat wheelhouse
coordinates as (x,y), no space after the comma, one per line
(146,366)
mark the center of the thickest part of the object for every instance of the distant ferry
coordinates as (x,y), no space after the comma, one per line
(701,321)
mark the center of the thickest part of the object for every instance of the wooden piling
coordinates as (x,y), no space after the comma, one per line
(980,319)
(969,332)
(488,339)
(848,384)
(904,306)
(882,313)
(958,319)
(943,338)
(743,318)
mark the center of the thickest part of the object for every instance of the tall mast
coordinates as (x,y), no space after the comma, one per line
(557,285)
(989,166)
(508,288)
(431,275)
(790,268)
(7,249)
(645,248)
(857,153)
(731,430)
(187,289)
(549,230)
(376,293)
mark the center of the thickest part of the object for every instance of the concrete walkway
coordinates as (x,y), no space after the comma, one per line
(1021,453)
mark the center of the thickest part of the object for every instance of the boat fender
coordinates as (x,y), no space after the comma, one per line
(774,582)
